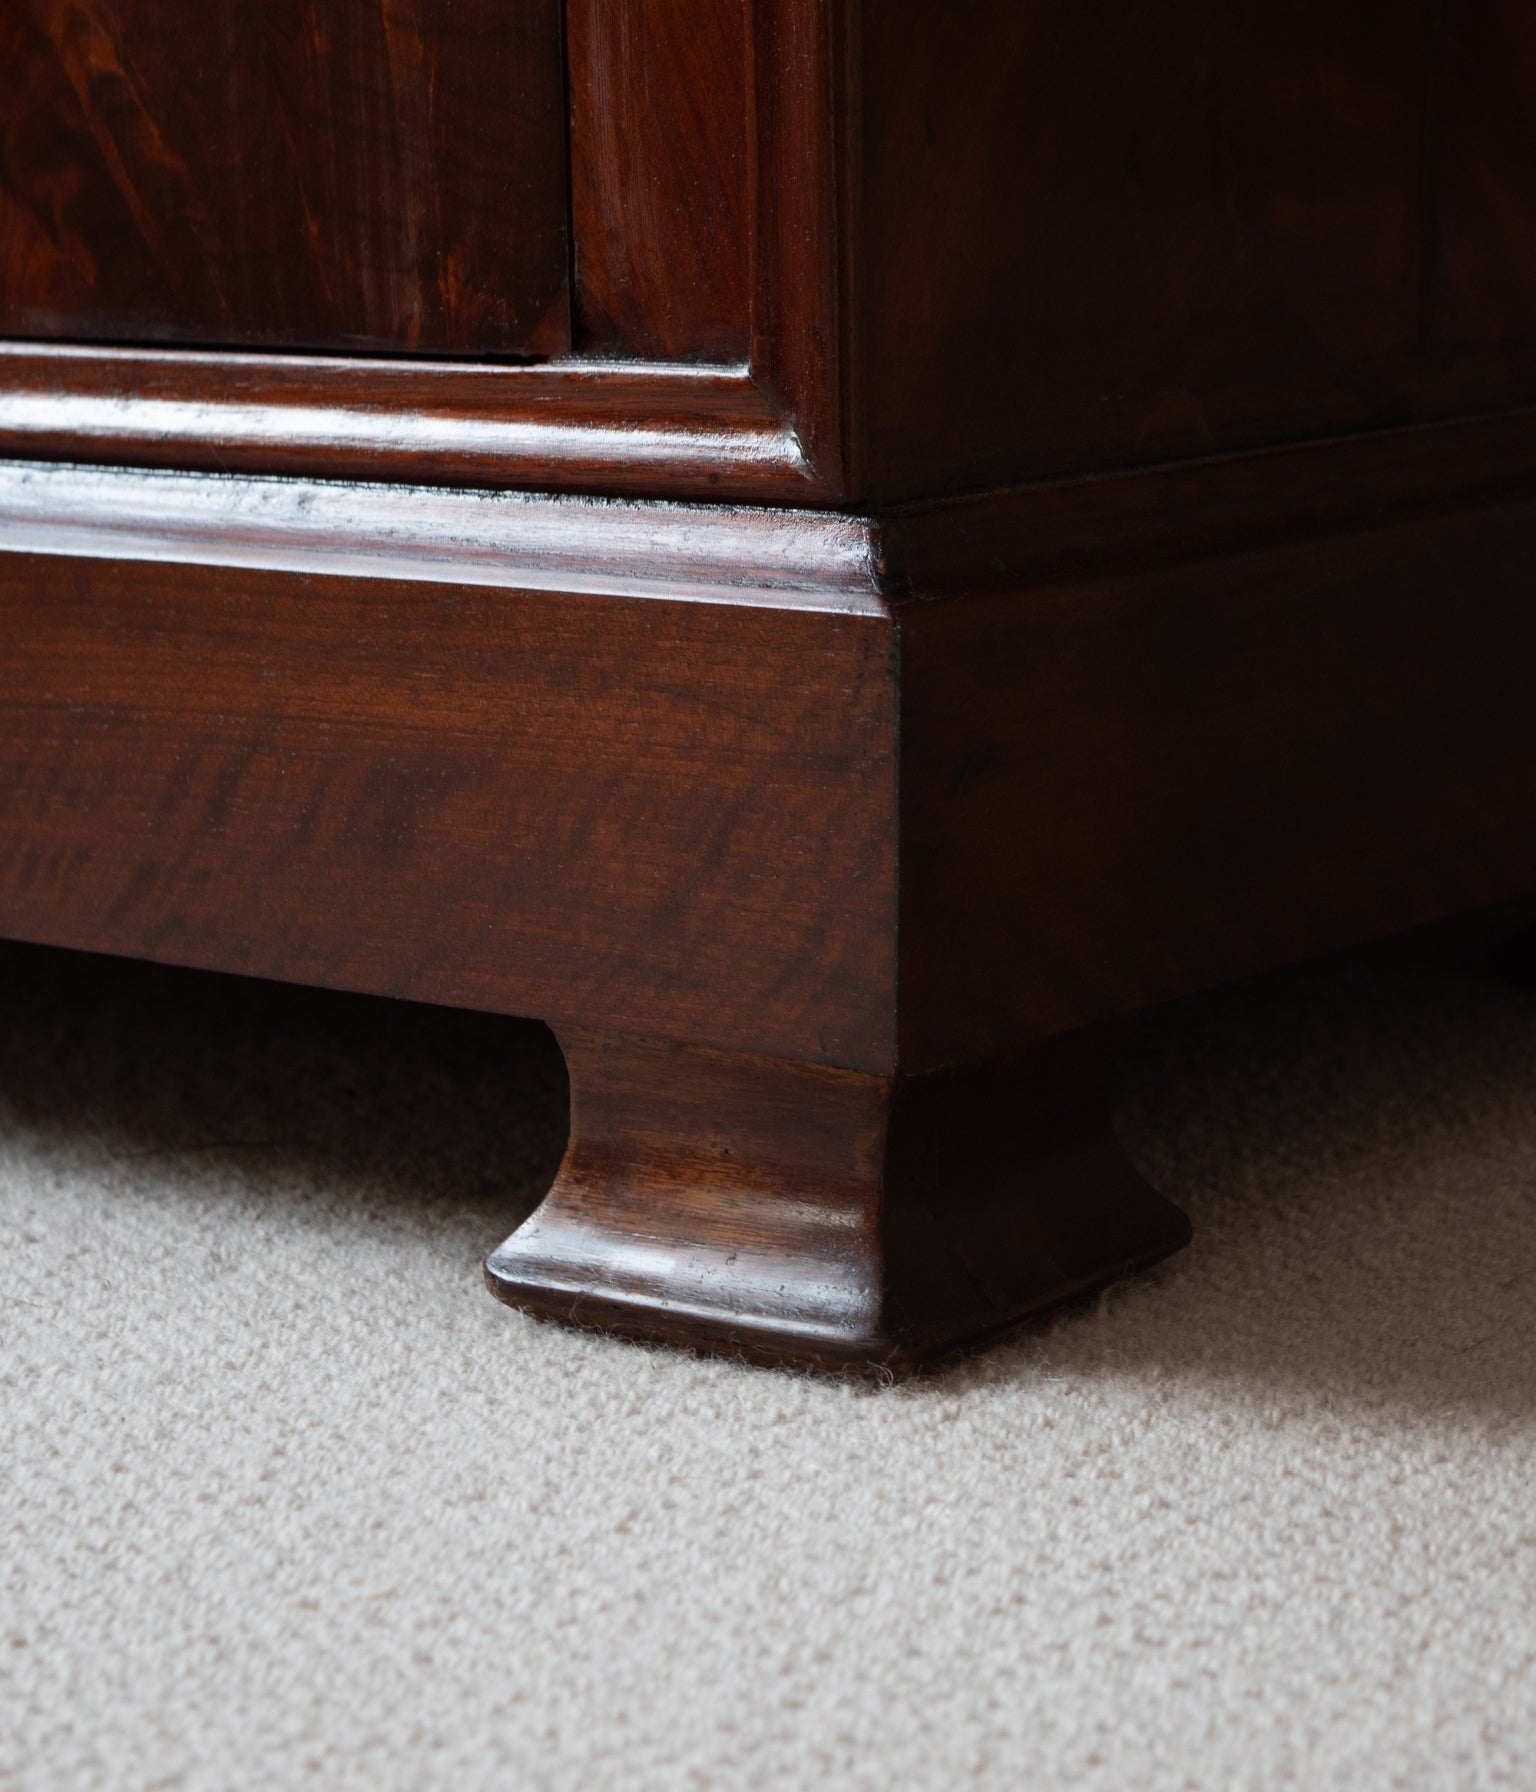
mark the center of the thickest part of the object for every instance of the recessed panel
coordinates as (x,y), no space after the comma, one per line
(383,175)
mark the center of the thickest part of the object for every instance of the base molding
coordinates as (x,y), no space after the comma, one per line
(839,800)
(796,1213)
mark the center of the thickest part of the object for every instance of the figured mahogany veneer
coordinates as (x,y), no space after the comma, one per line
(870,543)
(381,174)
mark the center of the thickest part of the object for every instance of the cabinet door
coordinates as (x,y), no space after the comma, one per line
(385,175)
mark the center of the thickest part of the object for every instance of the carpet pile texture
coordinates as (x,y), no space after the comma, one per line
(287,1499)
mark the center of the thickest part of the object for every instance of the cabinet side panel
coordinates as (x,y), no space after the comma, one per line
(1118,789)
(1110,234)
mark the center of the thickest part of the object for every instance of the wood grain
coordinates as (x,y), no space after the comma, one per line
(813,821)
(678,258)
(885,256)
(661,178)
(1165,730)
(1154,730)
(1155,392)
(616,804)
(808,231)
(384,174)
(792,1212)
(1108,235)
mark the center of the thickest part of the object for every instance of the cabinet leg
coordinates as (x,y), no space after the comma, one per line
(802,1214)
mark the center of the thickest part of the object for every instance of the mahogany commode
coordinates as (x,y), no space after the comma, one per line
(834,552)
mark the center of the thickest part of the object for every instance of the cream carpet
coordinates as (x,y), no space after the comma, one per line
(289,1500)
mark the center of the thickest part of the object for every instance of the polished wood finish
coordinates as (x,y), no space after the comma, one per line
(754,797)
(1151,402)
(776,427)
(385,174)
(793,1212)
(454,748)
(1106,234)
(1254,730)
(661,190)
(935,255)
(770,430)
(1162,232)
(704,432)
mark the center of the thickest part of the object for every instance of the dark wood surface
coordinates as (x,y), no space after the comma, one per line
(661,191)
(856,803)
(1157,397)
(808,230)
(1153,731)
(793,1212)
(463,754)
(1174,727)
(1107,234)
(701,432)
(764,416)
(934,254)
(372,175)
(1127,786)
